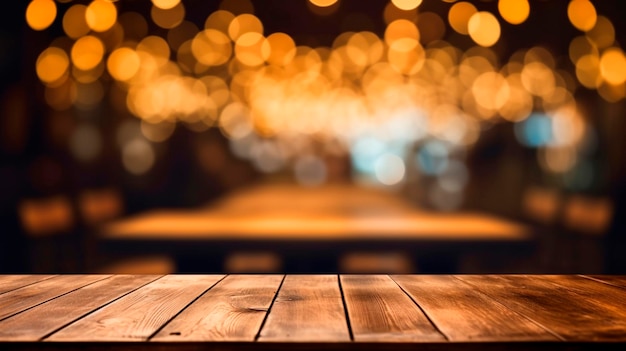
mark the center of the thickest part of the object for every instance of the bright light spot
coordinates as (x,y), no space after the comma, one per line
(235,121)
(168,18)
(514,11)
(535,131)
(484,28)
(613,66)
(87,52)
(74,22)
(157,132)
(282,49)
(52,64)
(165,4)
(243,24)
(211,47)
(323,3)
(138,156)
(454,178)
(252,49)
(603,33)
(432,157)
(86,142)
(588,71)
(123,64)
(459,16)
(310,170)
(101,15)
(406,5)
(40,14)
(389,169)
(267,156)
(582,14)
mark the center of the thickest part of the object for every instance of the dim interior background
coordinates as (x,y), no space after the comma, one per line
(515,108)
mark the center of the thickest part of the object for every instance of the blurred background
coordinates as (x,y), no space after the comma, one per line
(514,108)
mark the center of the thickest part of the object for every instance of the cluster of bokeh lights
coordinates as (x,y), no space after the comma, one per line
(377,97)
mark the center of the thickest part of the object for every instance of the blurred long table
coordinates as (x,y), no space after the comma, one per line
(309,224)
(312,312)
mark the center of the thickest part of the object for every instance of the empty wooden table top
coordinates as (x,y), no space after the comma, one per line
(354,312)
(282,212)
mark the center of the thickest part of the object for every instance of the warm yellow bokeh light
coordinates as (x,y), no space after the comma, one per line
(219,20)
(282,49)
(211,47)
(243,24)
(613,66)
(581,46)
(52,64)
(603,33)
(123,64)
(165,4)
(514,11)
(252,49)
(582,14)
(74,22)
(406,56)
(400,29)
(168,18)
(323,3)
(101,15)
(459,16)
(87,52)
(40,14)
(406,5)
(484,28)
(588,71)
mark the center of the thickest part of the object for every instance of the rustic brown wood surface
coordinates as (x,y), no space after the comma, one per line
(233,310)
(136,316)
(309,312)
(561,304)
(379,311)
(12,282)
(307,308)
(465,314)
(35,323)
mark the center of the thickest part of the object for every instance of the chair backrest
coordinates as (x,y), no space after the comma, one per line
(541,204)
(46,216)
(588,215)
(100,205)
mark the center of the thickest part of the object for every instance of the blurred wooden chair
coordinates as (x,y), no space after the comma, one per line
(376,263)
(98,206)
(49,223)
(542,206)
(253,262)
(586,220)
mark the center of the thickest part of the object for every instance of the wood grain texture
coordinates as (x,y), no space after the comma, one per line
(233,310)
(559,305)
(16,281)
(36,323)
(615,280)
(380,311)
(464,314)
(308,308)
(136,316)
(28,296)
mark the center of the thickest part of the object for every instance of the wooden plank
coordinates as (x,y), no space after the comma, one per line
(16,281)
(35,323)
(463,314)
(31,295)
(616,280)
(568,312)
(308,308)
(233,310)
(138,315)
(379,311)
